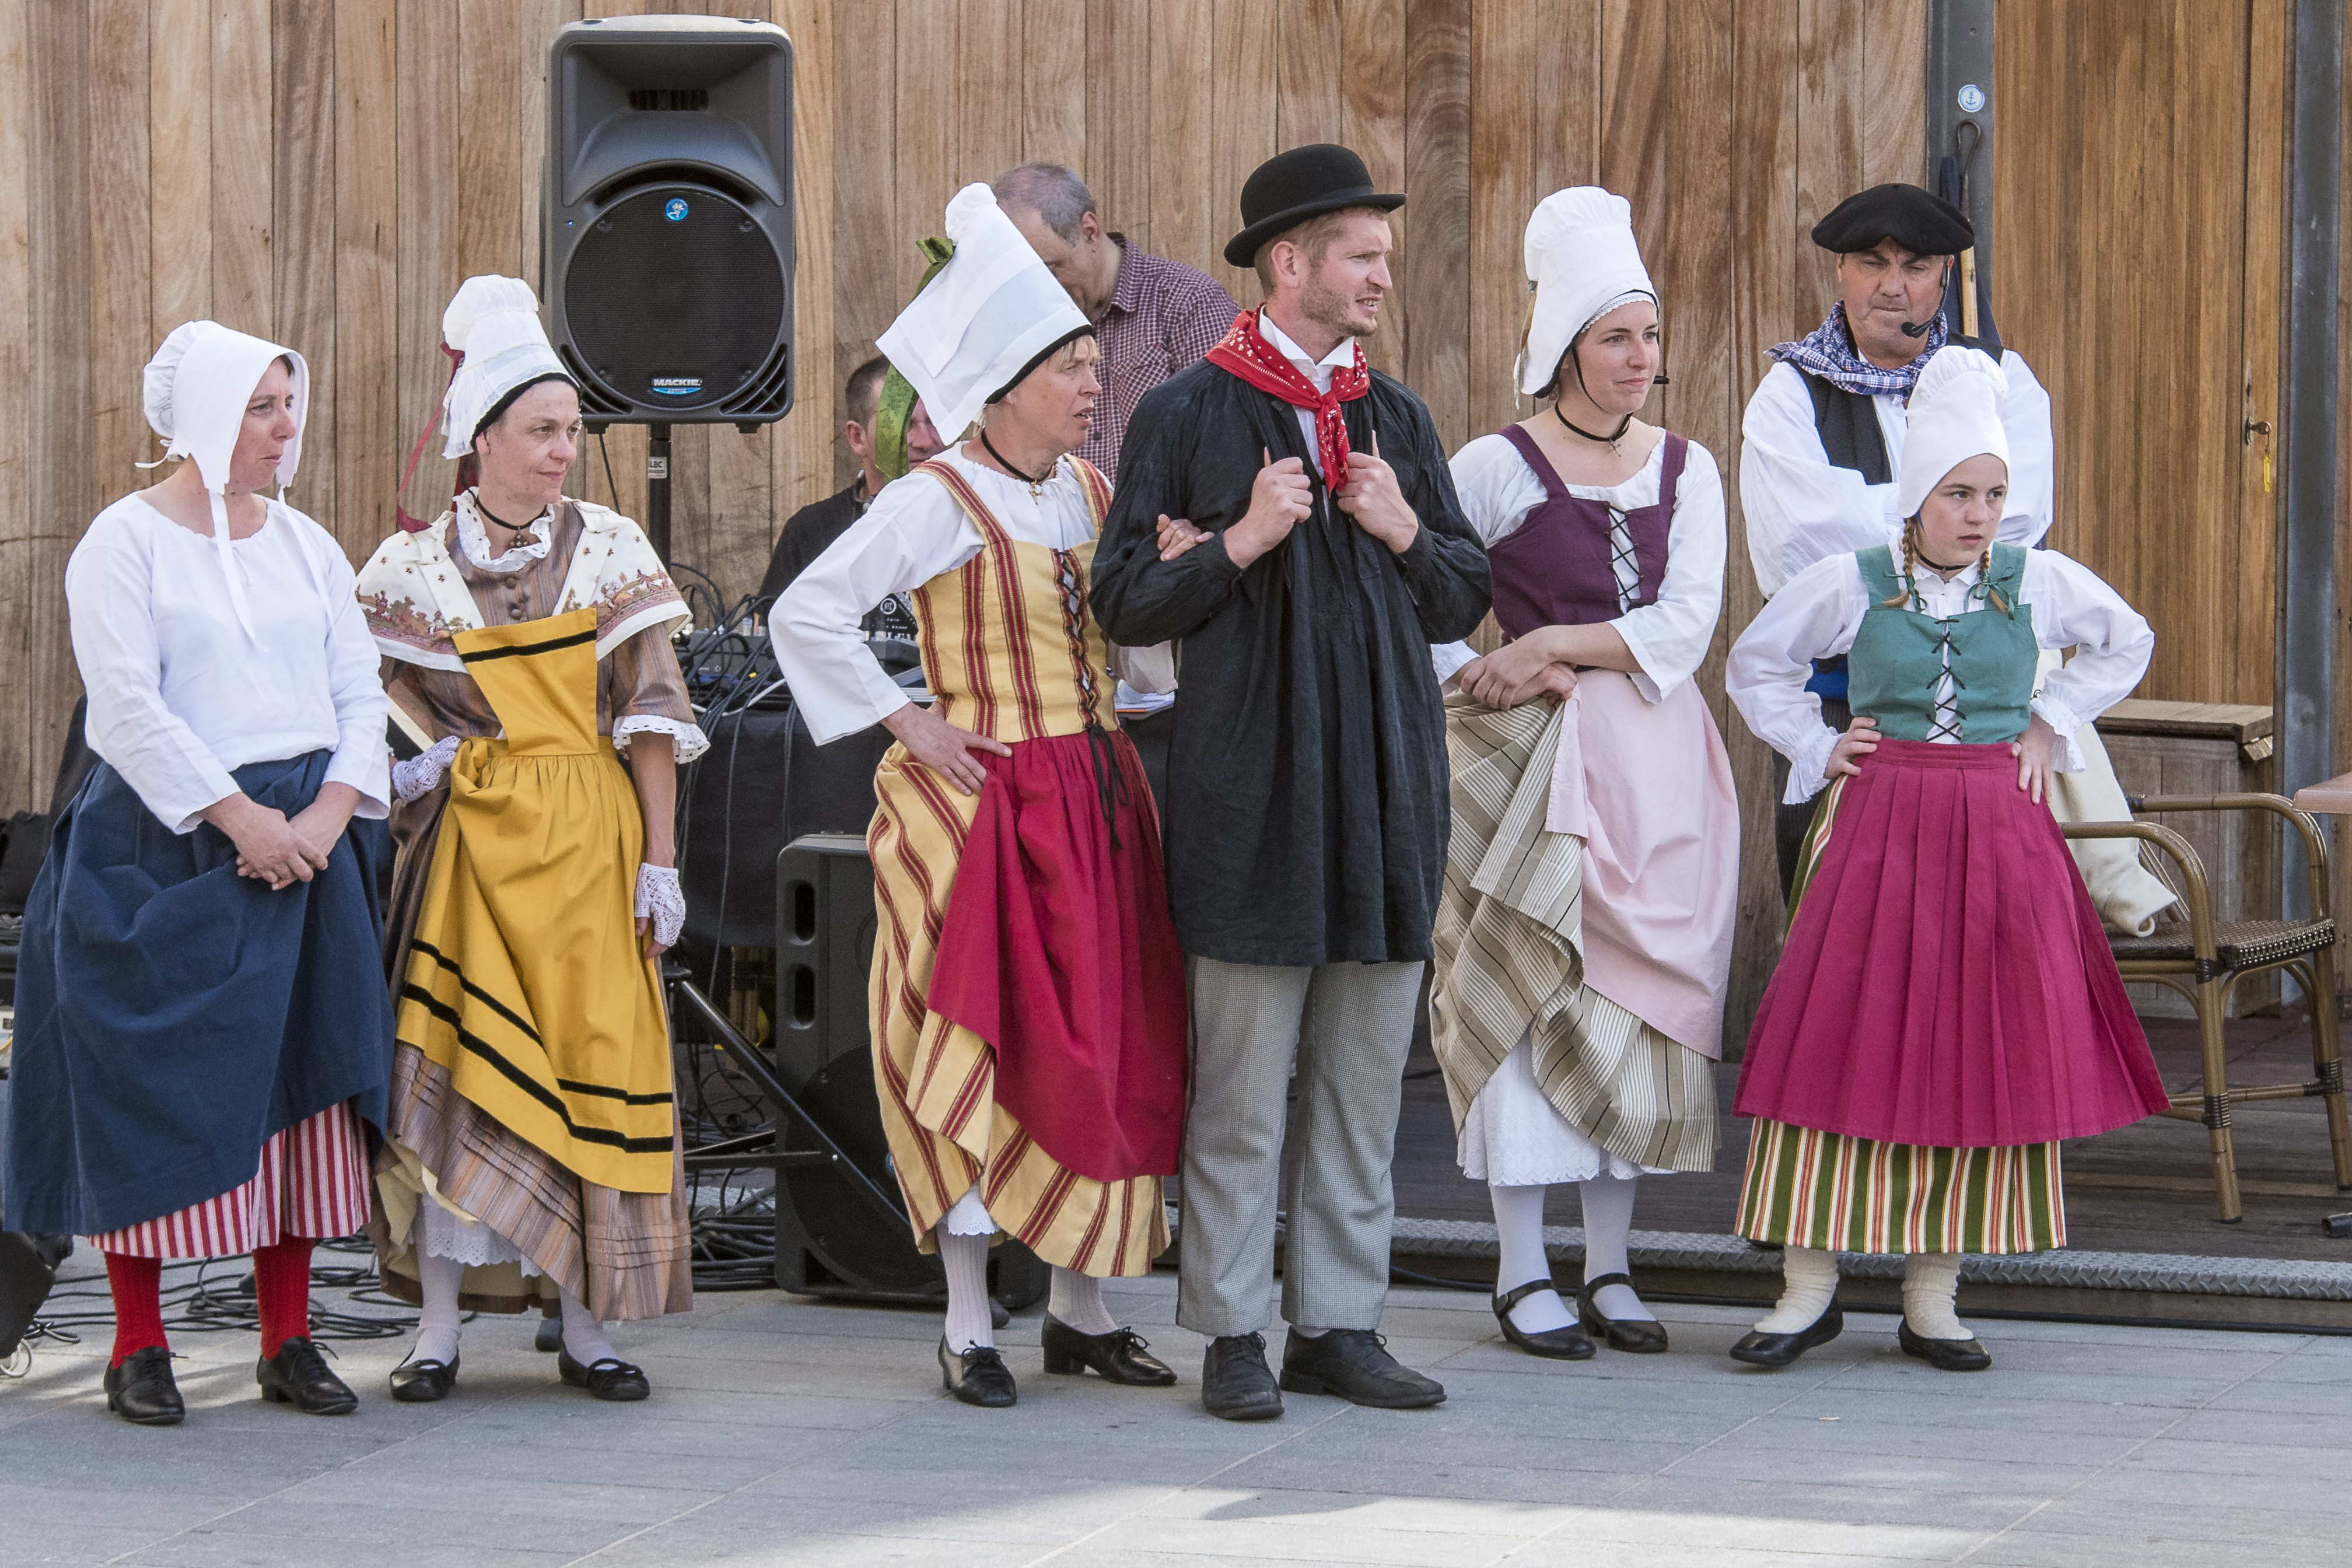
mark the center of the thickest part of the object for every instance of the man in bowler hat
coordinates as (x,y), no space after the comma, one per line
(1307,805)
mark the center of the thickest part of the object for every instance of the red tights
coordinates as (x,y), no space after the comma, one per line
(282,1290)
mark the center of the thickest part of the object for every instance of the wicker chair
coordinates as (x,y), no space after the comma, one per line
(2204,958)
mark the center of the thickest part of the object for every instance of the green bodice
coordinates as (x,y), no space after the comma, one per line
(1899,655)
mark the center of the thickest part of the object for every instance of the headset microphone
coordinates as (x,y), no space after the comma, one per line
(1917,328)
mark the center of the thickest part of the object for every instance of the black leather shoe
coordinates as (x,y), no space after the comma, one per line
(1552,1345)
(612,1378)
(1236,1382)
(1119,1356)
(1638,1335)
(1355,1365)
(1943,1355)
(141,1391)
(977,1375)
(1760,1348)
(549,1337)
(299,1375)
(424,1382)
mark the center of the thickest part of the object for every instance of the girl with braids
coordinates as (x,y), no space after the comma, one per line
(1946,1009)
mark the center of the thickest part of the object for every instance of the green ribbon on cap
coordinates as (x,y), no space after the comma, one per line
(897,404)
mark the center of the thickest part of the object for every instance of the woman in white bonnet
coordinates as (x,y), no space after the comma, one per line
(202,1027)
(1578,1003)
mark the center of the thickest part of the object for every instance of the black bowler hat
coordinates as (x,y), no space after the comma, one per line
(1293,186)
(1921,223)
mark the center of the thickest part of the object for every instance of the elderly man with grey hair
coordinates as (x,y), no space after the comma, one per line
(1152,316)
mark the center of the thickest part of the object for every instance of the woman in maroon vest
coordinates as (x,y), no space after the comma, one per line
(1585,937)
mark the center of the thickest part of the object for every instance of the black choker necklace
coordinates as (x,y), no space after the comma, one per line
(490,516)
(1608,441)
(1036,484)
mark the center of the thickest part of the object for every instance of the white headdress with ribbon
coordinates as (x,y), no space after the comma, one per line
(1954,415)
(983,320)
(1582,263)
(195,396)
(494,322)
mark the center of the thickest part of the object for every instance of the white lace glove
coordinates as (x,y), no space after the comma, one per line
(661,900)
(425,770)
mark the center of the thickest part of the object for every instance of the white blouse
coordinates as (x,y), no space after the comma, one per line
(913,532)
(1669,638)
(180,697)
(1799,508)
(1817,614)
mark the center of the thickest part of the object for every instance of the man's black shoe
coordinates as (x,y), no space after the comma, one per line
(141,1391)
(1355,1365)
(1236,1382)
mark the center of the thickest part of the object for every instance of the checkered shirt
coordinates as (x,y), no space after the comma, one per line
(1163,316)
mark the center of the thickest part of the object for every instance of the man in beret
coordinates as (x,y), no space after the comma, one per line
(1822,441)
(1306,813)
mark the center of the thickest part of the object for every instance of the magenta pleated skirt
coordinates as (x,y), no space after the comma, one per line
(1946,981)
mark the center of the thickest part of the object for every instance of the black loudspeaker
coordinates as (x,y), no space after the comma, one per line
(829,1241)
(666,217)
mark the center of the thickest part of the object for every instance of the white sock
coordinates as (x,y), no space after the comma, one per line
(584,1336)
(437,1320)
(1077,1300)
(1519,1228)
(1809,1278)
(1607,1224)
(1931,1285)
(970,1322)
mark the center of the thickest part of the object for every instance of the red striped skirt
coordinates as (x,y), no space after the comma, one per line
(313,1182)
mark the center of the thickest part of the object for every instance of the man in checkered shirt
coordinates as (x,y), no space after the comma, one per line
(1152,316)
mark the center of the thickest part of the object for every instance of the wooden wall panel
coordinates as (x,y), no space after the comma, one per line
(25,595)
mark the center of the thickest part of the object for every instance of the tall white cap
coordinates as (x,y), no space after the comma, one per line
(1954,415)
(1582,263)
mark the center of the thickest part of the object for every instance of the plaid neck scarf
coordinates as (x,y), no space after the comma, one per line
(1828,351)
(1247,354)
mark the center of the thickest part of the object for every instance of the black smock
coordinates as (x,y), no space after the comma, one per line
(1305,814)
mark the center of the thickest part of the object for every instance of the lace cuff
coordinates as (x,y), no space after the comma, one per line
(1805,780)
(2061,719)
(686,739)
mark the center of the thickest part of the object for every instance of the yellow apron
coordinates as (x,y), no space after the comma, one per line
(526,981)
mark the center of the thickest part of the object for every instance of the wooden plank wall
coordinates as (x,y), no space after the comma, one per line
(151,172)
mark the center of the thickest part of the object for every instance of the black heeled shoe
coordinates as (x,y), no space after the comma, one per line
(1638,1336)
(1552,1345)
(1760,1348)
(424,1382)
(299,1375)
(977,1375)
(611,1378)
(1943,1355)
(1117,1355)
(141,1390)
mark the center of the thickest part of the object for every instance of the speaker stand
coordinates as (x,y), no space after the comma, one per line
(656,518)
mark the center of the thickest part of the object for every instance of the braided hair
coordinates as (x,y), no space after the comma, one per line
(1909,592)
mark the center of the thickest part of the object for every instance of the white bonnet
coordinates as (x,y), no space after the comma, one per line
(1582,262)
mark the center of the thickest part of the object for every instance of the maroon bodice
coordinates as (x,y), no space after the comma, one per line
(1555,570)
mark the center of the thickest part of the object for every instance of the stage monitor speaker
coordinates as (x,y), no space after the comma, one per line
(666,217)
(829,1241)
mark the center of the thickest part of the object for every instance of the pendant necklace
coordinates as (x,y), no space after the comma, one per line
(1608,441)
(1036,486)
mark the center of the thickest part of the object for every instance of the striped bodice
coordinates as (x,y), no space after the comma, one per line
(1009,648)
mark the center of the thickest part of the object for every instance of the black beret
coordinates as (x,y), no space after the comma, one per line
(1921,223)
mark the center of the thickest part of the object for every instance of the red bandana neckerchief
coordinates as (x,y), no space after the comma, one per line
(1247,354)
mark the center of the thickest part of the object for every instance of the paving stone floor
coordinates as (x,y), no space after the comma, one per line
(785,1432)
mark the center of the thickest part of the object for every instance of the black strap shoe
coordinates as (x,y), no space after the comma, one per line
(299,1375)
(1355,1365)
(1552,1345)
(1236,1382)
(141,1391)
(1638,1335)
(611,1378)
(1760,1349)
(1119,1356)
(424,1382)
(548,1338)
(1943,1355)
(977,1375)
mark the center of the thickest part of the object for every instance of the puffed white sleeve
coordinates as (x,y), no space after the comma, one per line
(1814,615)
(112,618)
(2027,514)
(355,682)
(1670,636)
(1798,506)
(1151,671)
(2073,607)
(1496,488)
(913,532)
